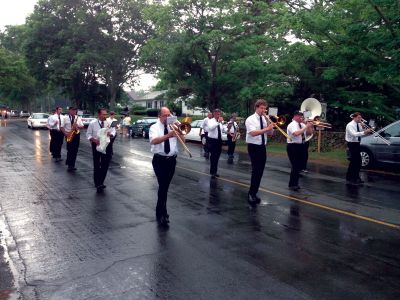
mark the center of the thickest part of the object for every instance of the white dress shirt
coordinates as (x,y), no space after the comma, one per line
(157,130)
(352,133)
(54,122)
(66,122)
(94,127)
(204,126)
(253,123)
(213,125)
(233,128)
(293,127)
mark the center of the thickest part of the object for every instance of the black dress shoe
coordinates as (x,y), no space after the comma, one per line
(70,169)
(258,199)
(360,181)
(294,188)
(162,221)
(252,200)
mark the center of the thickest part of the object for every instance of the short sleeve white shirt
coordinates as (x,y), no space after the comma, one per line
(253,123)
(157,130)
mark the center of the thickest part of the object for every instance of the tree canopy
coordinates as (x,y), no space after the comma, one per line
(221,53)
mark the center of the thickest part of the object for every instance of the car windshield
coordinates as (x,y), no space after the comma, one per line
(40,116)
(87,116)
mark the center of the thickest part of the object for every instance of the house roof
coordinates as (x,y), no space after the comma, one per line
(150,96)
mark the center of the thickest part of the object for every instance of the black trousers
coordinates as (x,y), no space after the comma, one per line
(353,171)
(258,158)
(231,146)
(72,150)
(296,154)
(56,142)
(215,147)
(101,162)
(306,146)
(205,146)
(164,168)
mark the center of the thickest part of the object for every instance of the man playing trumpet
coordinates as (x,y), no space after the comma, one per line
(164,147)
(70,126)
(233,133)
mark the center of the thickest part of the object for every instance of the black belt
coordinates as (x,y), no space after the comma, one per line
(164,156)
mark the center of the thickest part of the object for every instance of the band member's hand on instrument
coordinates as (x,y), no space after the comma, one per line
(220,119)
(96,141)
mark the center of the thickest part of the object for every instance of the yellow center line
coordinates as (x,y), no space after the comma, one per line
(336,210)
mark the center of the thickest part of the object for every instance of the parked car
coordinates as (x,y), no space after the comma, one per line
(146,130)
(86,119)
(193,135)
(137,128)
(38,120)
(24,114)
(375,150)
(14,113)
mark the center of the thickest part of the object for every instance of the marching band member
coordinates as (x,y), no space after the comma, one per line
(56,135)
(215,130)
(297,131)
(354,132)
(70,126)
(257,129)
(101,161)
(164,147)
(232,130)
(204,132)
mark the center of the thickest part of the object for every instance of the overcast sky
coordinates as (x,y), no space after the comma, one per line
(14,12)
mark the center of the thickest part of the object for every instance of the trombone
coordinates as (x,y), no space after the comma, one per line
(182,129)
(320,124)
(364,125)
(279,121)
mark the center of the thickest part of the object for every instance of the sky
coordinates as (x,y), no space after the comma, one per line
(14,12)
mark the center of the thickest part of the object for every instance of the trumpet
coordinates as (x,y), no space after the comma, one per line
(182,129)
(279,121)
(364,125)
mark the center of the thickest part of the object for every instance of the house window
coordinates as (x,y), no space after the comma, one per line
(149,104)
(161,103)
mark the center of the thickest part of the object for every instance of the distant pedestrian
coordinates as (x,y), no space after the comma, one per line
(56,135)
(126,125)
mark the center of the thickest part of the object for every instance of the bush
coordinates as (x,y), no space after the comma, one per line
(152,112)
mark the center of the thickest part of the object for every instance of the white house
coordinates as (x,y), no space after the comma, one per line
(154,100)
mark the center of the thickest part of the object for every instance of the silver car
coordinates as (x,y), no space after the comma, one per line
(375,150)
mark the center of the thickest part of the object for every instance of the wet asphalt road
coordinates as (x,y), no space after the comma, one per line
(61,240)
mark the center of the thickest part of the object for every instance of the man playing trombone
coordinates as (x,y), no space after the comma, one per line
(354,132)
(164,147)
(257,129)
(296,150)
